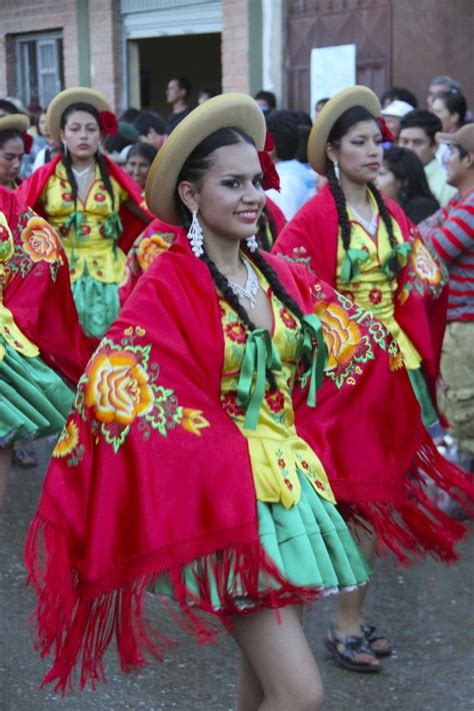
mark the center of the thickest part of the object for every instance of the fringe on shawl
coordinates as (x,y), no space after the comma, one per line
(77,630)
(417,526)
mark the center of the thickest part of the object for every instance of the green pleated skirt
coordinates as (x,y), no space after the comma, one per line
(34,401)
(420,388)
(97,304)
(309,543)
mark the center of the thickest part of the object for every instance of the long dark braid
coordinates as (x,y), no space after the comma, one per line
(275,284)
(343,124)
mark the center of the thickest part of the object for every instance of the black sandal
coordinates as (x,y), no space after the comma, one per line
(352,646)
(371,637)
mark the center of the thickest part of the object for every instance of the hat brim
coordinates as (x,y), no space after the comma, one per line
(228,110)
(78,94)
(17,122)
(327,117)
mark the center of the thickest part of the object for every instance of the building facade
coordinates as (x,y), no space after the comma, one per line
(129,49)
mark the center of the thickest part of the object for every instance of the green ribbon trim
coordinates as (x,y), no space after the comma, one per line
(350,266)
(260,355)
(313,350)
(113,228)
(75,219)
(401,252)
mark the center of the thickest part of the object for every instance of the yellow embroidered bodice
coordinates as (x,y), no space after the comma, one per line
(276,451)
(371,289)
(92,253)
(9,331)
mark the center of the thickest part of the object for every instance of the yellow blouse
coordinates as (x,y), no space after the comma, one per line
(92,253)
(277,454)
(371,289)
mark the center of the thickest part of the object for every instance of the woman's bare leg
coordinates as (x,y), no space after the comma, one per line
(5,463)
(279,666)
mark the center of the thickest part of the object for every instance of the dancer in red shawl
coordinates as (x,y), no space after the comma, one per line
(363,244)
(39,331)
(92,203)
(193,455)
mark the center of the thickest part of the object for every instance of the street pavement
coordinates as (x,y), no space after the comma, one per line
(427,610)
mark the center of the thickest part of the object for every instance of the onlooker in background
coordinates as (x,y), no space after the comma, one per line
(206,94)
(302,156)
(129,115)
(7,108)
(396,93)
(139,160)
(266,100)
(393,114)
(151,128)
(283,127)
(417,133)
(177,96)
(116,147)
(319,105)
(451,234)
(41,141)
(440,85)
(402,178)
(450,107)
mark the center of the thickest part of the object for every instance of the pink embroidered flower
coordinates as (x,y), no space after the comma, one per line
(319,485)
(281,463)
(288,319)
(288,483)
(99,197)
(67,197)
(375,296)
(275,400)
(236,332)
(305,465)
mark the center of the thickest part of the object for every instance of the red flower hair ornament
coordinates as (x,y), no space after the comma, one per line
(108,122)
(27,142)
(271,179)
(387,135)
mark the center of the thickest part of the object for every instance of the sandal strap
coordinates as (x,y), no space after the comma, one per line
(351,644)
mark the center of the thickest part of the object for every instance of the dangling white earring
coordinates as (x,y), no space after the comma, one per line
(336,170)
(195,236)
(65,149)
(252,244)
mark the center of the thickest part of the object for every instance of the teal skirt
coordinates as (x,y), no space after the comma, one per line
(34,401)
(97,304)
(309,543)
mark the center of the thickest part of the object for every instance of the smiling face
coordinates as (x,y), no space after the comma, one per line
(359,153)
(81,135)
(137,168)
(11,153)
(229,196)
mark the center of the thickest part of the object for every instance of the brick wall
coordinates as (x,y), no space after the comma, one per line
(235,46)
(24,16)
(105,48)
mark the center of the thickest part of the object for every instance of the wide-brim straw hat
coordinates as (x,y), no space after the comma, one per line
(18,122)
(227,110)
(78,94)
(327,117)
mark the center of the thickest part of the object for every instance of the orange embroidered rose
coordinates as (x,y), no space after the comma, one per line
(68,440)
(425,265)
(149,249)
(341,335)
(118,388)
(193,421)
(40,242)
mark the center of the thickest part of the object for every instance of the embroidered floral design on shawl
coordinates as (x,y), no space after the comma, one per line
(425,273)
(121,387)
(39,244)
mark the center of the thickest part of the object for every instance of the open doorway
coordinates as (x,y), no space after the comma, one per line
(159,59)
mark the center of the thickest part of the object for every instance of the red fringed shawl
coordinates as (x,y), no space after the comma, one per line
(311,238)
(29,193)
(38,291)
(150,472)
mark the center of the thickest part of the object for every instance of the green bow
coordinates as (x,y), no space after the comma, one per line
(350,267)
(401,251)
(113,228)
(312,331)
(259,356)
(75,219)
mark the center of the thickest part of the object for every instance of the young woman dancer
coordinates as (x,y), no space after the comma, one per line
(363,244)
(192,443)
(91,203)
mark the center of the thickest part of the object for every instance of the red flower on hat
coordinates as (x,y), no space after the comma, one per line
(269,143)
(27,142)
(108,122)
(387,135)
(271,179)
